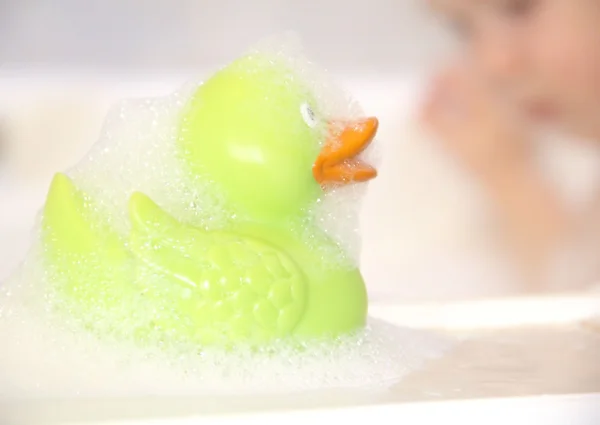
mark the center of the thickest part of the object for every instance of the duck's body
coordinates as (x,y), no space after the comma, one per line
(257,280)
(254,282)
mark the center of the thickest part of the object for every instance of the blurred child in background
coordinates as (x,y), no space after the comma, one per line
(523,64)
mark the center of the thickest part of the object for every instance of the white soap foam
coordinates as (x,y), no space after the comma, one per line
(42,356)
(137,152)
(46,355)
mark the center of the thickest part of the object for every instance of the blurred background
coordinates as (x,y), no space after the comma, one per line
(383,36)
(63,63)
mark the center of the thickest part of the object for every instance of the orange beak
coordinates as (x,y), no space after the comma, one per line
(338,163)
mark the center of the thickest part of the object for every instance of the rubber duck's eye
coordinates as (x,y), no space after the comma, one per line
(308,115)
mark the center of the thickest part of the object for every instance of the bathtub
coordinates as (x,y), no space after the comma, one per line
(526,360)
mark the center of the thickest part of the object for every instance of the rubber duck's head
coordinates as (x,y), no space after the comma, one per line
(259,133)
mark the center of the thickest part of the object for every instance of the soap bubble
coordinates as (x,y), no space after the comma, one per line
(43,357)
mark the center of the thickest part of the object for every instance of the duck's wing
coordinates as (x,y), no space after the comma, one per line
(221,286)
(84,256)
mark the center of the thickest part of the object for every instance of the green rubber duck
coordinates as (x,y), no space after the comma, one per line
(258,133)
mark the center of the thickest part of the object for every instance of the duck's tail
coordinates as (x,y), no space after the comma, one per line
(86,257)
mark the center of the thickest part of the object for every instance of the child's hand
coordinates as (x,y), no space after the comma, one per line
(476,130)
(472,126)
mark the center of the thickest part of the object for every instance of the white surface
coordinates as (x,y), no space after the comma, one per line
(491,313)
(555,410)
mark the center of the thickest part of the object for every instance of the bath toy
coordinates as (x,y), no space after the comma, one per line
(258,134)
